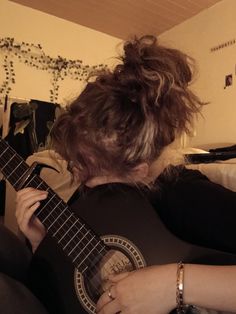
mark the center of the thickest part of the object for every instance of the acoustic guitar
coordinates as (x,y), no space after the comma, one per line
(83,250)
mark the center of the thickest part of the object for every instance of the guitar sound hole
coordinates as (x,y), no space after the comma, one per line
(96,278)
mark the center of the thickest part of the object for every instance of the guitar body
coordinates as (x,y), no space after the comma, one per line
(129,223)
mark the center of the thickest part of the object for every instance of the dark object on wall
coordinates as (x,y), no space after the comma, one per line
(29,126)
(44,118)
(228,80)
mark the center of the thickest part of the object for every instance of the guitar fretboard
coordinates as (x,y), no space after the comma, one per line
(75,238)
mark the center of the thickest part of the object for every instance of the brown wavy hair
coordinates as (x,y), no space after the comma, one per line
(126,116)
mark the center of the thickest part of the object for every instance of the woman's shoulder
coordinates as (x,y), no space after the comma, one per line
(177,177)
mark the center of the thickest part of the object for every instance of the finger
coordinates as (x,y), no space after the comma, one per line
(25,205)
(24,195)
(108,296)
(27,218)
(25,191)
(27,201)
(28,193)
(111,307)
(104,299)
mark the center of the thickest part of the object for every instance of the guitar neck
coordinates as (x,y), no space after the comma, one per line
(76,239)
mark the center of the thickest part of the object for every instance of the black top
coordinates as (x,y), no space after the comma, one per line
(197,210)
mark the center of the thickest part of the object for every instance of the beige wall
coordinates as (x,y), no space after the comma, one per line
(57,37)
(196,36)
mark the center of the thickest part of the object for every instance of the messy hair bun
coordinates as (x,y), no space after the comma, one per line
(157,78)
(128,115)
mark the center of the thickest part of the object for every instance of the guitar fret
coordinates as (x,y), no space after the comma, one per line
(8,161)
(74,247)
(79,240)
(76,234)
(15,169)
(15,184)
(11,169)
(62,225)
(83,270)
(84,258)
(81,251)
(102,248)
(64,222)
(66,237)
(39,185)
(28,182)
(41,209)
(79,243)
(87,249)
(52,224)
(4,151)
(51,212)
(94,247)
(67,232)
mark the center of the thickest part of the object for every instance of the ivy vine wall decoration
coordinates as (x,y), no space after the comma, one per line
(33,55)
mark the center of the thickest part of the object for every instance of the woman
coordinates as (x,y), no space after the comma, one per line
(115,138)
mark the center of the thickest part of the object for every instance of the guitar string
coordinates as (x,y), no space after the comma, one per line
(96,272)
(75,242)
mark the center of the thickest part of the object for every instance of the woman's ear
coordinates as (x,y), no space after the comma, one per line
(141,171)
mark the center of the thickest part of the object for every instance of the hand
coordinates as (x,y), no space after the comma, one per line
(27,201)
(149,290)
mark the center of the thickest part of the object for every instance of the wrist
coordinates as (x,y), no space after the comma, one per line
(162,282)
(171,285)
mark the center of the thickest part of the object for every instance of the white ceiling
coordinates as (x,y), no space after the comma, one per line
(122,18)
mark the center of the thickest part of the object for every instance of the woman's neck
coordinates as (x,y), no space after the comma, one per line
(103,180)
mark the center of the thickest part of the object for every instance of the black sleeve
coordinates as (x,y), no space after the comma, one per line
(197,210)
